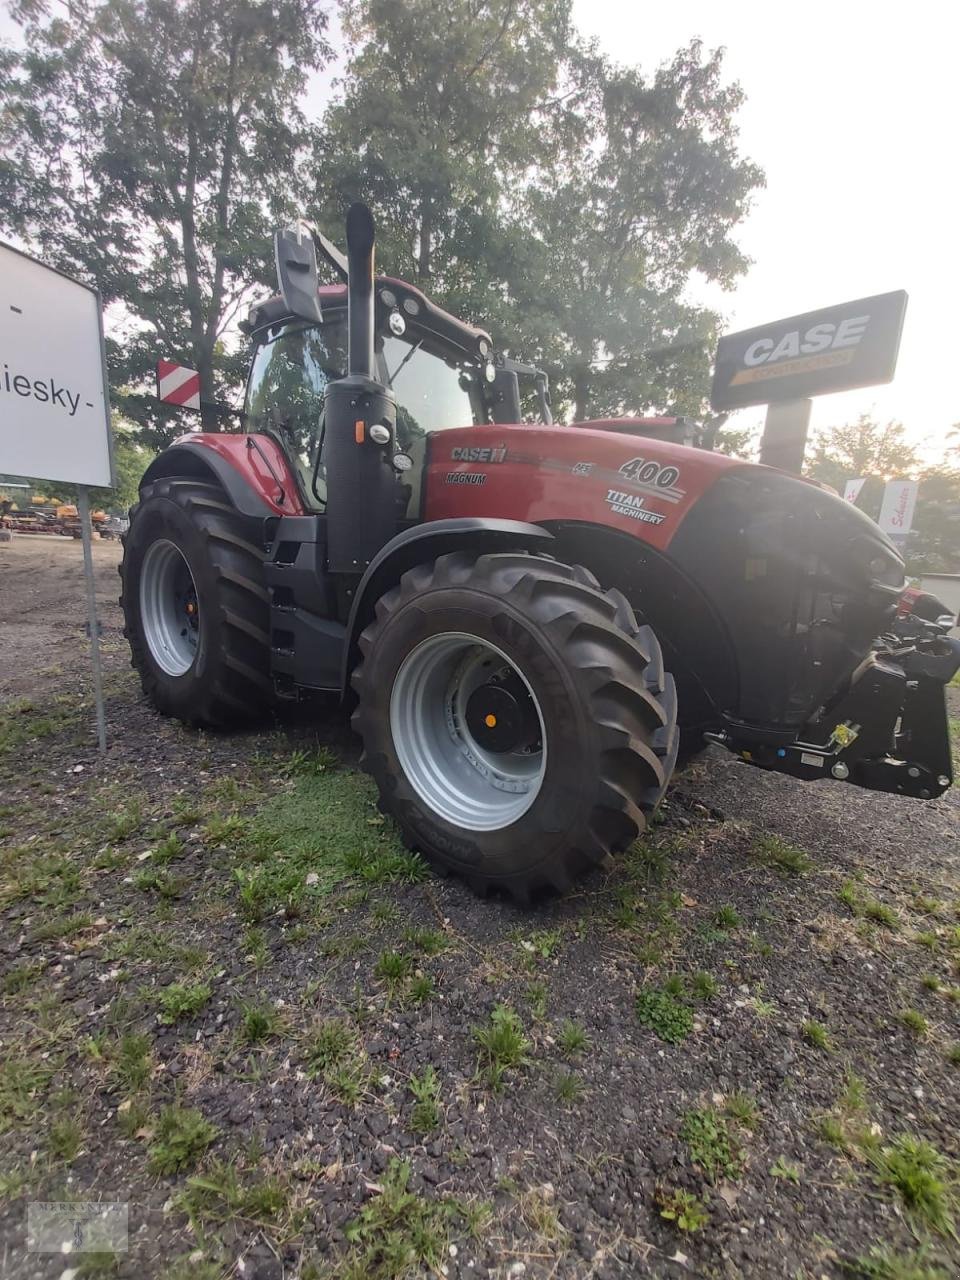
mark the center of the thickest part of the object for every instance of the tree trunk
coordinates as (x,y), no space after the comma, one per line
(426,234)
(581,394)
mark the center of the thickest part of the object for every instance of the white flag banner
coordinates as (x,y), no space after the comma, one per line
(851,490)
(899,502)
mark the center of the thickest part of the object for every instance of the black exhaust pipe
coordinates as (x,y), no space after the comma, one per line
(360,430)
(360,235)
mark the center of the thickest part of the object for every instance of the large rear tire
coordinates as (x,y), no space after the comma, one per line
(195,605)
(517,721)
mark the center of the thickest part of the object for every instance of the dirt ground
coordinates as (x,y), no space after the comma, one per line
(231,1000)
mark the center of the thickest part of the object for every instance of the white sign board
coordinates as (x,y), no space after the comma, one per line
(54,406)
(851,490)
(896,513)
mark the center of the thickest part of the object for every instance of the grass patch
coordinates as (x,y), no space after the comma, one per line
(882,1263)
(503,1045)
(572,1038)
(221,1195)
(181,1136)
(425,1117)
(131,1064)
(924,1180)
(259,1021)
(332,1051)
(568,1087)
(817,1034)
(396,1233)
(180,1000)
(915,1022)
(771,851)
(393,967)
(867,908)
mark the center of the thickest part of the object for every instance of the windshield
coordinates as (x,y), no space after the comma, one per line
(285,393)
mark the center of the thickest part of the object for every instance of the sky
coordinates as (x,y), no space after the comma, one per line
(852,111)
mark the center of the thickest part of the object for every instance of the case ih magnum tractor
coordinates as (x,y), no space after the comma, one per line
(523,611)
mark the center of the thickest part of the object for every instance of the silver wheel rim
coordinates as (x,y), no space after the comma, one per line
(169,608)
(457,777)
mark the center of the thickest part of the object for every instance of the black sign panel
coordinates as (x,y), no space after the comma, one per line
(836,349)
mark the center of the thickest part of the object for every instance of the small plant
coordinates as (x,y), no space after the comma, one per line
(384,912)
(742,1107)
(930,982)
(773,852)
(537,998)
(572,1038)
(122,824)
(393,967)
(131,1066)
(421,989)
(568,1087)
(924,1180)
(953,1055)
(182,1000)
(726,918)
(502,1045)
(703,986)
(397,1232)
(328,1045)
(542,944)
(926,938)
(259,1022)
(168,850)
(682,1208)
(884,1264)
(425,1088)
(711,1145)
(915,1022)
(879,912)
(784,1170)
(66,1138)
(181,1137)
(817,1034)
(429,942)
(665,1014)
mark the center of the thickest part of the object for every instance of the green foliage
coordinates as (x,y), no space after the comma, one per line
(396,1233)
(502,1045)
(177,132)
(712,1146)
(572,1037)
(425,1088)
(882,1263)
(259,1022)
(393,967)
(222,1194)
(182,1000)
(568,1087)
(915,1022)
(785,858)
(665,1014)
(924,1180)
(180,1138)
(682,1208)
(817,1034)
(131,1063)
(784,1170)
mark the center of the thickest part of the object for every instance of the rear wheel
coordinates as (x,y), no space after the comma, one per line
(196,610)
(517,720)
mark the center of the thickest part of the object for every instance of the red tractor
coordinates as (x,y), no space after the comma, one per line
(532,617)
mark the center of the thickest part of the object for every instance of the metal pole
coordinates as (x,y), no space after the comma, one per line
(83,507)
(784,439)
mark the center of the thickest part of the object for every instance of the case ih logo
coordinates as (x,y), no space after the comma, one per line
(473,453)
(854,345)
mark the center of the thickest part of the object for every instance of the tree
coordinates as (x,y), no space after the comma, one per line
(149,147)
(934,542)
(537,188)
(862,448)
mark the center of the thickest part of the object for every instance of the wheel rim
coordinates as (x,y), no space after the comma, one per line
(169,608)
(446,753)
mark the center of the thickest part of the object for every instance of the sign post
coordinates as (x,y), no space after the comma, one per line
(783,363)
(54,401)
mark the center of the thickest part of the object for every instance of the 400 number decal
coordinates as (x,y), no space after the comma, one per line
(654,478)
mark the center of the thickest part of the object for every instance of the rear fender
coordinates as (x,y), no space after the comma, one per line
(251,469)
(425,542)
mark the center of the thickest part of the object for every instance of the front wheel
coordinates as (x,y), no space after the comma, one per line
(517,721)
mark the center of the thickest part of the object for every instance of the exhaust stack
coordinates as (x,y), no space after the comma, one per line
(360,237)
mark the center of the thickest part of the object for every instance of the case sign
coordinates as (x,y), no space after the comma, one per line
(835,349)
(54,405)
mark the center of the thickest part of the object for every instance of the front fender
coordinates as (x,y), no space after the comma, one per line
(425,542)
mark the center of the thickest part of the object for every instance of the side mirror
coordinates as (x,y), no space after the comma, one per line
(296,258)
(505,397)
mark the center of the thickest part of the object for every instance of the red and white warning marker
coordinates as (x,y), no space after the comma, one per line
(176,384)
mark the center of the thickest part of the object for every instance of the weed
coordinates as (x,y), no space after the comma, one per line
(122,824)
(924,1180)
(259,1021)
(784,1170)
(665,1014)
(537,999)
(817,1034)
(393,967)
(879,912)
(682,1208)
(421,989)
(396,1232)
(329,1044)
(425,1088)
(884,1264)
(926,938)
(19,979)
(930,982)
(703,986)
(22,1081)
(773,852)
(953,1055)
(131,1064)
(429,942)
(182,1000)
(66,1138)
(711,1145)
(502,1045)
(180,1138)
(742,1107)
(168,850)
(726,918)
(542,944)
(915,1022)
(219,1195)
(132,1118)
(568,1087)
(310,764)
(539,1214)
(572,1038)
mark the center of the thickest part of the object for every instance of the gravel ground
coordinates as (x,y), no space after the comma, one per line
(230,1000)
